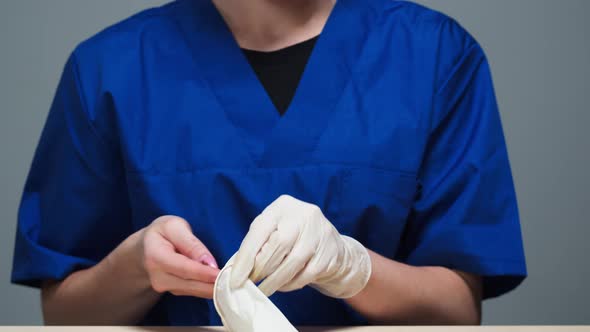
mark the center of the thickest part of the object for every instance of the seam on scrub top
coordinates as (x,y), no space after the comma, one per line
(205,81)
(486,258)
(82,97)
(402,173)
(466,53)
(104,143)
(351,80)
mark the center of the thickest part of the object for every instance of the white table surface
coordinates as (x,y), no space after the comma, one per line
(308,329)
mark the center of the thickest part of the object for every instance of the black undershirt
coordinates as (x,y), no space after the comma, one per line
(280,71)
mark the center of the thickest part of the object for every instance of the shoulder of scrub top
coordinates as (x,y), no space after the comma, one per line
(147,21)
(430,29)
(113,56)
(119,46)
(442,48)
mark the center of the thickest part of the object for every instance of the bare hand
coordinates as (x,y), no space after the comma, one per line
(176,261)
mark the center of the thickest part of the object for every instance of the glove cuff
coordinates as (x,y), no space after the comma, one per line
(353,275)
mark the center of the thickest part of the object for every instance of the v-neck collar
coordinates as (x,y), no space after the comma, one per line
(272,140)
(277,58)
(280,71)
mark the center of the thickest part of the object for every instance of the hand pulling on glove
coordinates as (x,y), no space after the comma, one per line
(291,244)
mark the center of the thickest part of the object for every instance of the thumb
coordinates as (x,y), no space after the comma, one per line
(179,233)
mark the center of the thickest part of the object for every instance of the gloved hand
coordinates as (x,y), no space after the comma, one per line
(291,244)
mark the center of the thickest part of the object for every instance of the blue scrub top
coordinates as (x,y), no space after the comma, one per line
(394,132)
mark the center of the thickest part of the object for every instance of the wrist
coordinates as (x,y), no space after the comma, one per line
(360,266)
(126,261)
(353,274)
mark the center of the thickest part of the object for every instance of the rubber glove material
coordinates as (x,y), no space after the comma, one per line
(246,309)
(292,244)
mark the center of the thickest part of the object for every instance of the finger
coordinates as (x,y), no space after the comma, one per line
(185,268)
(260,230)
(179,233)
(320,263)
(181,287)
(271,255)
(263,256)
(262,262)
(294,262)
(306,276)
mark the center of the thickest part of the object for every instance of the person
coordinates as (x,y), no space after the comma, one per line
(373,122)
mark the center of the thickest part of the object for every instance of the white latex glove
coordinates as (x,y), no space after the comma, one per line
(246,309)
(291,244)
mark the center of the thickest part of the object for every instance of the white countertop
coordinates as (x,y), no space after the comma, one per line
(307,329)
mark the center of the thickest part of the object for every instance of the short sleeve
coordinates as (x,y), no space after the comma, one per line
(74,208)
(465,216)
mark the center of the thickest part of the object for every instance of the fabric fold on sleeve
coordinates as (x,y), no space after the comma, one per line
(74,208)
(466,216)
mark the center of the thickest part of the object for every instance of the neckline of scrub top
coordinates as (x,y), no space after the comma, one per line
(278,57)
(272,140)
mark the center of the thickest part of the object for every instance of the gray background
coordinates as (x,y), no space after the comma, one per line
(540,56)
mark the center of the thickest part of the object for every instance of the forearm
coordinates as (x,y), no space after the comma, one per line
(401,294)
(116,291)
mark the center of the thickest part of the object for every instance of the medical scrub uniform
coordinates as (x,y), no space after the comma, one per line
(391,128)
